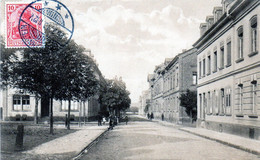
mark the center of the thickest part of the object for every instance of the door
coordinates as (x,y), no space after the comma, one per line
(45,107)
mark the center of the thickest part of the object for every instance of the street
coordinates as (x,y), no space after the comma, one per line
(149,140)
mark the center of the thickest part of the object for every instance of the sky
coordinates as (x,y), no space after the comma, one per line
(128,38)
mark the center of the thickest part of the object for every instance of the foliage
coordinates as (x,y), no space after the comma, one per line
(56,71)
(133,109)
(115,96)
(188,100)
(7,62)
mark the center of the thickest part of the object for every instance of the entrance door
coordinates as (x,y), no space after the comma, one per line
(45,107)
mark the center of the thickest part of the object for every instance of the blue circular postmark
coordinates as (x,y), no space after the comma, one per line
(44,22)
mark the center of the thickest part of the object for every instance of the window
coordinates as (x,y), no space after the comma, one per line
(194,78)
(204,105)
(240,85)
(228,101)
(21,102)
(74,106)
(200,69)
(209,65)
(201,106)
(222,101)
(177,79)
(229,54)
(215,61)
(173,80)
(204,67)
(254,93)
(253,24)
(240,42)
(209,110)
(222,57)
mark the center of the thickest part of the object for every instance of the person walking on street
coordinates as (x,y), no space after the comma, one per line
(104,120)
(111,123)
(152,116)
(162,117)
(99,120)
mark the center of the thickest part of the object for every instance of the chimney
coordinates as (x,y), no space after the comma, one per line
(226,4)
(217,12)
(203,28)
(210,21)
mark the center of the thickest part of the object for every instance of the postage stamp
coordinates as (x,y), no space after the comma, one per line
(31,31)
(26,23)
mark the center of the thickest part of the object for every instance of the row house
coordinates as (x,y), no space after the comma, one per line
(229,69)
(169,81)
(17,104)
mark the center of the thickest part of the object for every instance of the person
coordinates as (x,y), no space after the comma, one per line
(66,120)
(111,123)
(104,120)
(115,120)
(148,115)
(151,115)
(99,120)
(126,120)
(162,117)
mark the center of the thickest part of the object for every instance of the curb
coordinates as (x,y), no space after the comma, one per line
(224,142)
(89,146)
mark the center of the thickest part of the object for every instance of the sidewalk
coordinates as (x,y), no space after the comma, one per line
(246,144)
(68,146)
(74,142)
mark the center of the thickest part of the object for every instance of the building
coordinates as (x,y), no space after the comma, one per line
(144,101)
(169,81)
(17,104)
(229,69)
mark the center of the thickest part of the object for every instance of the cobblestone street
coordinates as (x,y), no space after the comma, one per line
(149,140)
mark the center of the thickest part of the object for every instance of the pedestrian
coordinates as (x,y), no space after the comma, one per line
(162,117)
(115,121)
(104,120)
(111,123)
(99,120)
(66,120)
(152,116)
(148,115)
(126,120)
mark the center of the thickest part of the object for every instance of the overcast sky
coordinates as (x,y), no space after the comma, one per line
(129,37)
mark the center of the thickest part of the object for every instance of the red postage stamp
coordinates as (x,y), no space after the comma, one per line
(24,23)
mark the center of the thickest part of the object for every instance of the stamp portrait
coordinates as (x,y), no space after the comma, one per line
(31,26)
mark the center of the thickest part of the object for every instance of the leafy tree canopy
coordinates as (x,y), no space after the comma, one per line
(188,100)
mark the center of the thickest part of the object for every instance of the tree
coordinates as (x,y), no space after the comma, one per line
(7,61)
(79,81)
(115,96)
(188,100)
(48,71)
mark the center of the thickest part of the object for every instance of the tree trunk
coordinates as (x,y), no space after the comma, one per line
(51,116)
(36,109)
(80,110)
(191,115)
(84,110)
(68,126)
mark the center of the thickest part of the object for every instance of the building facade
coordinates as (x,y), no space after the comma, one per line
(169,81)
(229,69)
(17,104)
(144,101)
